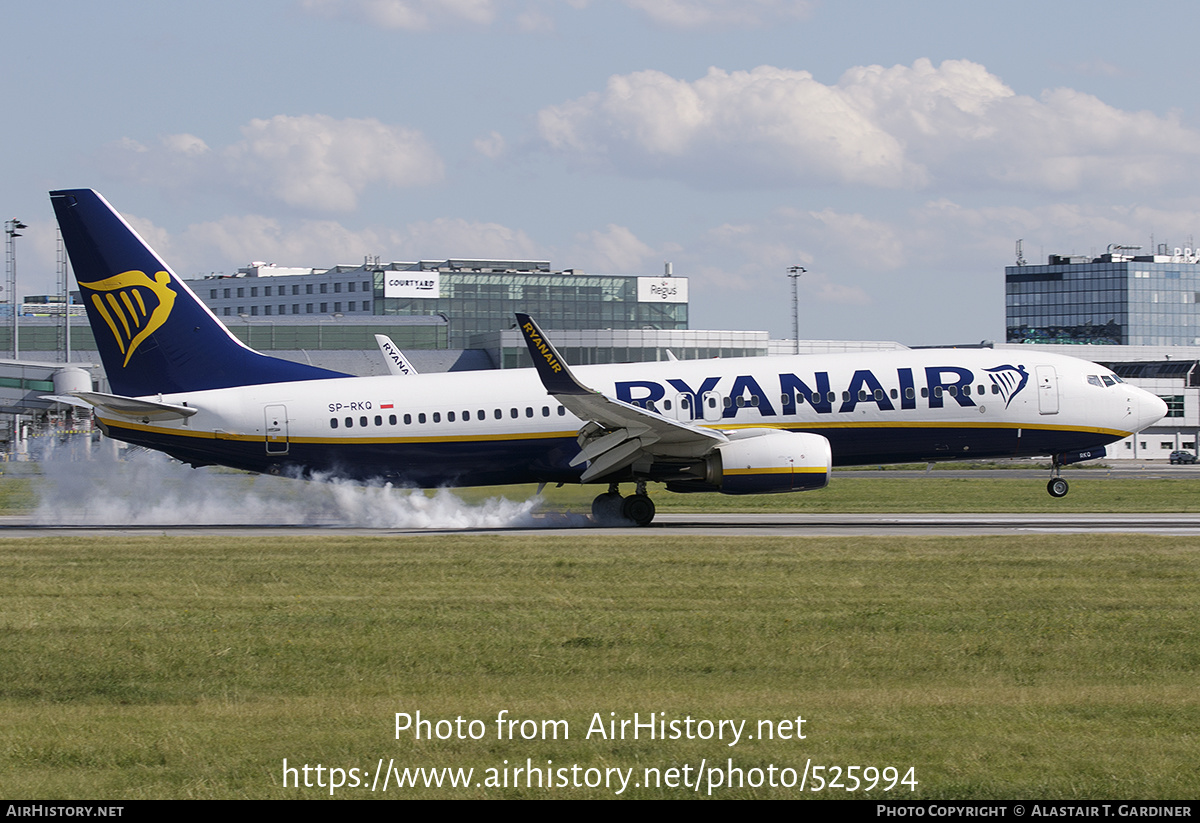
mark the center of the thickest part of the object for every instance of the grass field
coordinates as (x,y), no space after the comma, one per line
(1032,667)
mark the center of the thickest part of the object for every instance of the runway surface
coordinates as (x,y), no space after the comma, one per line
(778,525)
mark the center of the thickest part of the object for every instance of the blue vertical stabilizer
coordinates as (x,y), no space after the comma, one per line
(153,333)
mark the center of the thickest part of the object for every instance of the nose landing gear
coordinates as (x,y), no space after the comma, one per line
(1057,486)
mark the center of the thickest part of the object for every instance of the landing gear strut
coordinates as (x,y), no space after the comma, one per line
(611,508)
(1057,486)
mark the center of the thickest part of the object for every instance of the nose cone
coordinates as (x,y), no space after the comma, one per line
(1148,409)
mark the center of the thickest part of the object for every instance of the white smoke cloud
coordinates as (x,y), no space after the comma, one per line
(148,489)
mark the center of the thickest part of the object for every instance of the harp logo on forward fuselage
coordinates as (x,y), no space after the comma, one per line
(1010,380)
(133,306)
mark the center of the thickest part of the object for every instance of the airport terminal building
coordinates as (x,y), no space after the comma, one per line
(472,297)
(1118,298)
(1138,314)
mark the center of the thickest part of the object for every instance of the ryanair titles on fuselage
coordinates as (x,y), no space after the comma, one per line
(957,383)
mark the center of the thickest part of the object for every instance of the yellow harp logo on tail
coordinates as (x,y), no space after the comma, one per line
(133,305)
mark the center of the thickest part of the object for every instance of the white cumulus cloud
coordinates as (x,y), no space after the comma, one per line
(311,162)
(913,127)
(316,161)
(409,15)
(694,14)
(614,250)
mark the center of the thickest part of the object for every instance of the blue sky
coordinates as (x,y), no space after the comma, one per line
(897,150)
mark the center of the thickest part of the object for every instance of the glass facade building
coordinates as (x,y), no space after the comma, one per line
(472,297)
(1112,299)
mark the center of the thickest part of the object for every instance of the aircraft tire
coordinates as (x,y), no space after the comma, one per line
(1057,487)
(639,508)
(606,508)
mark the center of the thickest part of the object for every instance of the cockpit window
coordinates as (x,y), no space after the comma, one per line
(1109,381)
(1094,380)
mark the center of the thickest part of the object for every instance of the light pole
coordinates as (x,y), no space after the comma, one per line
(794,272)
(10,249)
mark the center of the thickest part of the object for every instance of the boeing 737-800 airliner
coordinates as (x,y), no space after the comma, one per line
(184,385)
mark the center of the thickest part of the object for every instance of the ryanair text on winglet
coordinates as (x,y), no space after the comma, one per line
(541,346)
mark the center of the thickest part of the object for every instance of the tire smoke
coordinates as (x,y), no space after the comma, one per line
(150,489)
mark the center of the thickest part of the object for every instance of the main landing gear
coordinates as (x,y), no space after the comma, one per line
(1057,486)
(611,509)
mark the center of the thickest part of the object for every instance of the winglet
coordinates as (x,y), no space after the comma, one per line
(551,368)
(397,363)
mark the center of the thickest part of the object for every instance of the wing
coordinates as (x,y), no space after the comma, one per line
(617,434)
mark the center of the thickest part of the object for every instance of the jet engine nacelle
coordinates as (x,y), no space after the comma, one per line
(758,461)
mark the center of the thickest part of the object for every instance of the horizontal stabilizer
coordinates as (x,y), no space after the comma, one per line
(66,400)
(134,407)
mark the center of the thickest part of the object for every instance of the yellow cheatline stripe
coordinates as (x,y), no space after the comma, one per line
(780,470)
(879,424)
(469,438)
